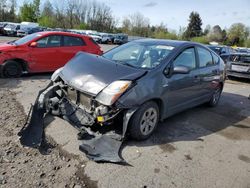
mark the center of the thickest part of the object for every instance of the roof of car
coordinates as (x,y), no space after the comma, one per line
(60,33)
(173,43)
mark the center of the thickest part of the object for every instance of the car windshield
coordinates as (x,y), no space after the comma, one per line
(27,38)
(139,55)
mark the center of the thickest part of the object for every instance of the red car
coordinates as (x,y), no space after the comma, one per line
(43,52)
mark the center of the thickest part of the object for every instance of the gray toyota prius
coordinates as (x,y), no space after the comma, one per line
(146,81)
(141,82)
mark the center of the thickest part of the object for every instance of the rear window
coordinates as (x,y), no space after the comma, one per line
(73,41)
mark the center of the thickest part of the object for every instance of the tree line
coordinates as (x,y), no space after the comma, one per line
(91,14)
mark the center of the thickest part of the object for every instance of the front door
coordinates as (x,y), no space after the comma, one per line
(46,56)
(183,89)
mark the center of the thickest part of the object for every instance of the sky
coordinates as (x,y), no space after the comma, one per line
(175,13)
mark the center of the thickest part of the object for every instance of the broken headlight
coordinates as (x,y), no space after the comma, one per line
(112,92)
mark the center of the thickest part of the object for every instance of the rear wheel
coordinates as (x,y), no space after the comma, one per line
(12,69)
(216,97)
(144,121)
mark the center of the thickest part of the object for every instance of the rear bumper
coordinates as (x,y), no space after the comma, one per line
(238,74)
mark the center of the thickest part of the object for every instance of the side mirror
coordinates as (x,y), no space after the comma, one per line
(33,44)
(181,70)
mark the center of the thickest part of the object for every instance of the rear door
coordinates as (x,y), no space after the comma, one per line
(72,45)
(182,90)
(47,55)
(209,71)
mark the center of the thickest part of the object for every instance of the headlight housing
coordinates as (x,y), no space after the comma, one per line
(55,74)
(112,92)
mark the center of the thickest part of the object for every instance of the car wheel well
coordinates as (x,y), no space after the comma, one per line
(159,104)
(23,63)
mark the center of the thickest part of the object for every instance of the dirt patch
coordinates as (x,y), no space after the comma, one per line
(244,158)
(27,167)
(188,157)
(156,170)
(167,148)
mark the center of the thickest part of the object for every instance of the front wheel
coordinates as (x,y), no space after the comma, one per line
(12,69)
(144,121)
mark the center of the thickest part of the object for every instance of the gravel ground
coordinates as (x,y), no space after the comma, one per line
(201,147)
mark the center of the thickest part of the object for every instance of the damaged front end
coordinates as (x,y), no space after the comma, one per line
(91,108)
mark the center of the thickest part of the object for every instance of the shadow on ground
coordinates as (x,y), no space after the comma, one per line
(195,124)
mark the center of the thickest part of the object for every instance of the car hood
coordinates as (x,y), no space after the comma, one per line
(91,73)
(6,46)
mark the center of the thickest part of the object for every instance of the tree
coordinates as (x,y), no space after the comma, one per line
(136,24)
(207,29)
(194,27)
(216,34)
(237,34)
(47,18)
(30,11)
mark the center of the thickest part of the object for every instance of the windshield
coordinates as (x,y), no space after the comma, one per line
(11,26)
(27,38)
(139,55)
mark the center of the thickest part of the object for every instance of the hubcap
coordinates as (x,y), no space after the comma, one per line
(148,121)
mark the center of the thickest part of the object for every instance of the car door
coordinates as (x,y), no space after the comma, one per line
(46,56)
(72,45)
(182,90)
(209,71)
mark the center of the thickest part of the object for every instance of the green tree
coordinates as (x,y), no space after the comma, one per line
(237,34)
(30,11)
(194,27)
(47,18)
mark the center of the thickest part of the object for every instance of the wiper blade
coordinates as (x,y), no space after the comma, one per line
(128,64)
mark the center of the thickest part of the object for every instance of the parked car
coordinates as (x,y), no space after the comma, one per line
(120,38)
(107,38)
(143,81)
(96,37)
(2,25)
(11,29)
(28,30)
(223,51)
(243,50)
(239,65)
(42,52)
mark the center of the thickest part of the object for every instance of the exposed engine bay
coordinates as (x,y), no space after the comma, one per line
(83,112)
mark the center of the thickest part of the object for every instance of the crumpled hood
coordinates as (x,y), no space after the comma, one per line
(91,73)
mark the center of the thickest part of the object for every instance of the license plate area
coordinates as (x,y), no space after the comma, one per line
(240,68)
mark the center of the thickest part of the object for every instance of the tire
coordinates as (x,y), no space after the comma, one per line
(216,97)
(12,69)
(142,124)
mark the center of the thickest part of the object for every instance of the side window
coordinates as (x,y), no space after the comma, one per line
(205,57)
(50,41)
(42,43)
(73,41)
(215,58)
(186,58)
